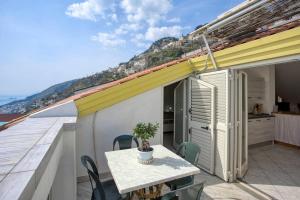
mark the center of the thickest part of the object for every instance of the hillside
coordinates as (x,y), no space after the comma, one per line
(39,100)
(264,20)
(161,51)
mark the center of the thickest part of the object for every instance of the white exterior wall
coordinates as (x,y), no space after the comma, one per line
(116,120)
(84,141)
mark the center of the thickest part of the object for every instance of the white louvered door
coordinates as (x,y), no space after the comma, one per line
(223,101)
(201,120)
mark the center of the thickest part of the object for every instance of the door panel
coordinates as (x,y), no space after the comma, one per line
(179,113)
(201,120)
(221,81)
(242,122)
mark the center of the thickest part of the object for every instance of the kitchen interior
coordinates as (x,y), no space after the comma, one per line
(274,104)
(273,156)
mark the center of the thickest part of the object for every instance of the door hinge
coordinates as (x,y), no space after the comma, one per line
(230,125)
(230,76)
(190,130)
(229,176)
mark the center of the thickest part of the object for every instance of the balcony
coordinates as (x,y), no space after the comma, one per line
(39,160)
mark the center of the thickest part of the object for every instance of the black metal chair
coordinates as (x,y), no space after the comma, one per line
(125,141)
(105,190)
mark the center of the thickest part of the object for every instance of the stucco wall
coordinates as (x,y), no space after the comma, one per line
(84,141)
(117,120)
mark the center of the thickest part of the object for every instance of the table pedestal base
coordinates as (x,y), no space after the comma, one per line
(148,193)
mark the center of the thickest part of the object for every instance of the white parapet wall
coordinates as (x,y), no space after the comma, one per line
(67,109)
(66,167)
(96,132)
(41,153)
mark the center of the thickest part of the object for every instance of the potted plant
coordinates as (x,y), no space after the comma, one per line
(145,131)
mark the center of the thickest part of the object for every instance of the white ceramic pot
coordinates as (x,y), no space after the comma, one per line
(145,155)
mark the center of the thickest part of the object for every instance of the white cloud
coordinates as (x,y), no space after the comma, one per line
(146,10)
(139,14)
(125,28)
(174,20)
(114,17)
(155,33)
(139,40)
(107,39)
(88,10)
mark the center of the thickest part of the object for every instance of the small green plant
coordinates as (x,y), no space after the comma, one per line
(145,132)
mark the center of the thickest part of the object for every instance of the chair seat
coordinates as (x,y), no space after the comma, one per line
(110,189)
(180,183)
(169,197)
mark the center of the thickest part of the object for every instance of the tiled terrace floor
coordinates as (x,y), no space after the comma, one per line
(273,171)
(215,188)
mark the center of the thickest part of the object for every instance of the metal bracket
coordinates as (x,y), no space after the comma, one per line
(209,52)
(194,69)
(209,55)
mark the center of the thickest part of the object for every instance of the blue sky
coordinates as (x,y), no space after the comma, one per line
(47,42)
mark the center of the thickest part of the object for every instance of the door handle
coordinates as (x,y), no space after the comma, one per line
(204,127)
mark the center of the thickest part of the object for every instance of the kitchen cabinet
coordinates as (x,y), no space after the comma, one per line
(256,89)
(260,130)
(287,128)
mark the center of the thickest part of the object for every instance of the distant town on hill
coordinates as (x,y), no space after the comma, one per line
(161,51)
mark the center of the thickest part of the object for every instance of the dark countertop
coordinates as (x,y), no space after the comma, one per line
(286,113)
(256,116)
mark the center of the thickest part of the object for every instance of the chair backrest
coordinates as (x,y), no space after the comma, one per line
(98,190)
(192,192)
(125,141)
(88,163)
(189,151)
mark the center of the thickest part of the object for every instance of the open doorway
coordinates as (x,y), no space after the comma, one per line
(273,129)
(174,114)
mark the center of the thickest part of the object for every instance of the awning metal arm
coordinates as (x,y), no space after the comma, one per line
(209,52)
(209,55)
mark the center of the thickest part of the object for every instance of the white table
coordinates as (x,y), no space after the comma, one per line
(129,175)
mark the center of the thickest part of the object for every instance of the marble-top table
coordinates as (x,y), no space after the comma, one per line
(129,175)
